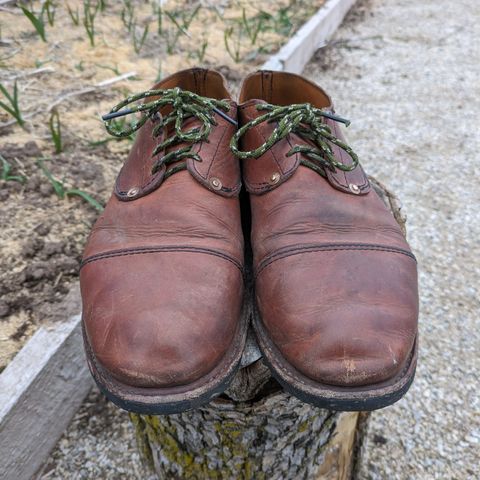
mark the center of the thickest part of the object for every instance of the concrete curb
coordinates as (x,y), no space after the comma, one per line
(294,55)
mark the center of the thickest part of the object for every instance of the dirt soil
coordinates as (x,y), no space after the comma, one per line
(42,235)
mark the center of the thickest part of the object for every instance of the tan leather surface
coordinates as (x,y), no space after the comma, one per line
(336,284)
(163,318)
(162,278)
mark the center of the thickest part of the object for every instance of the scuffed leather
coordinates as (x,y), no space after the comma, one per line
(335,280)
(162,276)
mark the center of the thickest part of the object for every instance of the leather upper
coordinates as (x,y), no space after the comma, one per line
(336,282)
(162,273)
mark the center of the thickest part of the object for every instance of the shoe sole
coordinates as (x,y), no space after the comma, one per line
(331,397)
(166,401)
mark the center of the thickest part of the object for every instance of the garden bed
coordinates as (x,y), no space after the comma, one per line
(63,85)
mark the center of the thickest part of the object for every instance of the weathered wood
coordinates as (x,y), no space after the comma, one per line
(298,51)
(256,430)
(40,391)
(275,437)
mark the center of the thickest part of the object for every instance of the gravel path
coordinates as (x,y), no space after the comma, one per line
(407,74)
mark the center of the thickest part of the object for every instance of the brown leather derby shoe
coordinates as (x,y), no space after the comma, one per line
(162,273)
(335,280)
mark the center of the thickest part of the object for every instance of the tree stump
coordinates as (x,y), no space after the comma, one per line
(255,430)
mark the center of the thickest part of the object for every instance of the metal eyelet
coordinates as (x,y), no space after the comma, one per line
(132,192)
(216,183)
(156,117)
(354,188)
(275,178)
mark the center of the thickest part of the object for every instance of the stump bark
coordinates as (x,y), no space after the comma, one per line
(255,430)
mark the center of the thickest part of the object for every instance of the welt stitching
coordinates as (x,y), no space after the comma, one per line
(145,250)
(306,249)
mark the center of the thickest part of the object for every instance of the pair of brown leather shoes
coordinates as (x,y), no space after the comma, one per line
(164,310)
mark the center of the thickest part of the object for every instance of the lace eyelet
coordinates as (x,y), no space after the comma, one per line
(216,183)
(132,192)
(275,178)
(354,188)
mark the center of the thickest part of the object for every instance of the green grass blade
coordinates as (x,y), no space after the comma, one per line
(79,193)
(5,92)
(6,168)
(56,131)
(8,109)
(36,22)
(56,184)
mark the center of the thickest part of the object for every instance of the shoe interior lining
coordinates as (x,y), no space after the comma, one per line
(281,88)
(206,83)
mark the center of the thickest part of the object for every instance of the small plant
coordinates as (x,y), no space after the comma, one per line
(283,21)
(89,14)
(199,53)
(158,12)
(252,26)
(138,42)
(233,42)
(114,69)
(79,66)
(181,22)
(74,15)
(56,131)
(62,192)
(12,108)
(5,174)
(128,15)
(50,9)
(185,18)
(171,39)
(37,22)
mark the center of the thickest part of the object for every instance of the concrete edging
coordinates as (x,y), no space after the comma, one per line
(298,51)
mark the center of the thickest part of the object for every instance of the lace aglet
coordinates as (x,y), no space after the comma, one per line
(120,113)
(225,116)
(336,118)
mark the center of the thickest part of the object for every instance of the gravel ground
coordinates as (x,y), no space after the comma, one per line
(98,445)
(406,73)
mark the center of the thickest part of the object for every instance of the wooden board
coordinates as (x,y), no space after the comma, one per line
(40,391)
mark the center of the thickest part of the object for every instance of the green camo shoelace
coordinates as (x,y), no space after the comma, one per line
(307,122)
(184,105)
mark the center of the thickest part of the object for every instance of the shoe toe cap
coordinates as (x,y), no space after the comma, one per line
(167,323)
(345,319)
